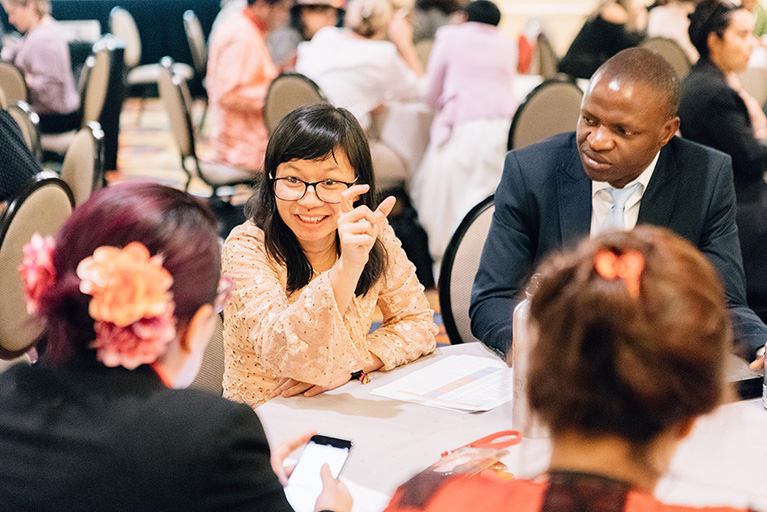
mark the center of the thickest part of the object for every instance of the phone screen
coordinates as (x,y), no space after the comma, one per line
(305,484)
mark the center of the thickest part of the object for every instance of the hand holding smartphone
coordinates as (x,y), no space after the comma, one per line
(305,483)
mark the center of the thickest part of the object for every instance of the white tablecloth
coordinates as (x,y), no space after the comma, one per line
(724,461)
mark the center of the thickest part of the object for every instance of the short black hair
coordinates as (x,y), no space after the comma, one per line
(709,16)
(270,2)
(483,11)
(640,65)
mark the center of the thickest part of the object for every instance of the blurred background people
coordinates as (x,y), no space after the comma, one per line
(614,26)
(307,17)
(469,85)
(429,15)
(716,111)
(671,20)
(632,338)
(240,70)
(129,291)
(43,55)
(311,265)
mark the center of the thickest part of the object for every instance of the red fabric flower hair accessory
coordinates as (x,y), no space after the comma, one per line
(37,270)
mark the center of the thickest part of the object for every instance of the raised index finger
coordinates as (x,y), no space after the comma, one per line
(350,195)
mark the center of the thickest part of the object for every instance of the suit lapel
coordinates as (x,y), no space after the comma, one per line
(659,199)
(574,200)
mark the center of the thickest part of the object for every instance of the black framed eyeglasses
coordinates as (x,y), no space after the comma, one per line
(293,189)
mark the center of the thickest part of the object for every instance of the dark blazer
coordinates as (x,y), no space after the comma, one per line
(109,439)
(543,203)
(712,113)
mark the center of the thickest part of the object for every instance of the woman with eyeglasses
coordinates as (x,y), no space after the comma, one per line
(129,291)
(311,265)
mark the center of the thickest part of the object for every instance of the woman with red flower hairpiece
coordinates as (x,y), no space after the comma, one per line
(129,291)
(632,336)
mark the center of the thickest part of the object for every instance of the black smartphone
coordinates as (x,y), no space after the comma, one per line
(305,484)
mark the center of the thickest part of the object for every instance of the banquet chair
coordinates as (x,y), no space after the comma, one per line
(97,73)
(459,266)
(754,82)
(287,92)
(672,52)
(12,83)
(123,26)
(211,375)
(41,208)
(423,51)
(551,108)
(546,57)
(175,96)
(83,167)
(28,122)
(199,51)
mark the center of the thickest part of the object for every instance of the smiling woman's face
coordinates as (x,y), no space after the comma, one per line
(313,221)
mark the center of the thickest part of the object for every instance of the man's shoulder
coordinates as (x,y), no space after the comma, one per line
(547,155)
(696,157)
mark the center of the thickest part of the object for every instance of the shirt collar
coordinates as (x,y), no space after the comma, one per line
(643,178)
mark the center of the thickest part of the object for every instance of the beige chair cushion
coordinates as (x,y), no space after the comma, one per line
(80,169)
(286,93)
(672,52)
(43,211)
(551,108)
(149,73)
(211,374)
(196,40)
(12,83)
(222,174)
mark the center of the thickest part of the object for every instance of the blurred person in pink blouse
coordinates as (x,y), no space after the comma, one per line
(43,55)
(470,77)
(312,263)
(239,73)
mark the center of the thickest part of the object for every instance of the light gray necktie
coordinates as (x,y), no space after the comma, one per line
(615,216)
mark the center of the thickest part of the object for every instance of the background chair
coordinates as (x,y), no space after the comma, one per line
(29,122)
(83,167)
(754,82)
(672,52)
(97,73)
(211,376)
(199,51)
(551,108)
(123,25)
(12,83)
(40,208)
(423,50)
(287,92)
(175,96)
(459,266)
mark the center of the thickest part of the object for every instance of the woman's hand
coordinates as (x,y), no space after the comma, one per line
(358,228)
(334,496)
(281,453)
(288,387)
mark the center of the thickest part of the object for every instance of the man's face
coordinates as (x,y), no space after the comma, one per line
(277,15)
(621,127)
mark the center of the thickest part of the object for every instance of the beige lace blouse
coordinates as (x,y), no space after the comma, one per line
(269,334)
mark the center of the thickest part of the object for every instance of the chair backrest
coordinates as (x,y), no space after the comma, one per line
(97,70)
(83,167)
(211,376)
(754,82)
(672,52)
(551,108)
(548,61)
(459,266)
(287,92)
(40,208)
(29,122)
(172,94)
(196,40)
(12,83)
(123,26)
(423,51)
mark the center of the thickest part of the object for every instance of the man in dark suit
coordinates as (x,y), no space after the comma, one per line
(556,192)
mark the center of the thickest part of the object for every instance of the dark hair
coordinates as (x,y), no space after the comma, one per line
(167,221)
(640,65)
(446,6)
(483,11)
(270,2)
(313,132)
(610,363)
(709,16)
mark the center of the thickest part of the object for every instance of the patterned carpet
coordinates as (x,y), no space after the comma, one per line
(148,151)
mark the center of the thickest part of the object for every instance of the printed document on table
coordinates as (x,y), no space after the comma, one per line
(461,382)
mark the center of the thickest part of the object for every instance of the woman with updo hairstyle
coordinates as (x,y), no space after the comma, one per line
(43,55)
(632,337)
(129,291)
(312,263)
(356,67)
(716,111)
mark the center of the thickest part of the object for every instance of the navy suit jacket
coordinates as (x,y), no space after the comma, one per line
(543,204)
(111,439)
